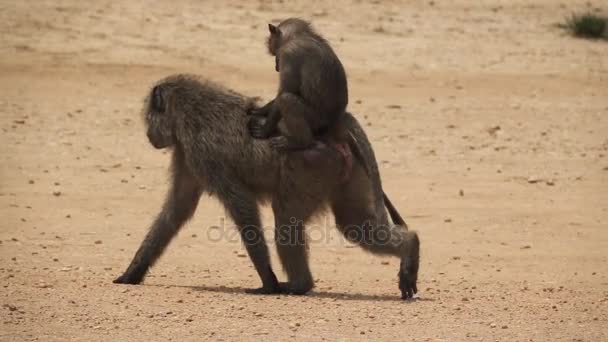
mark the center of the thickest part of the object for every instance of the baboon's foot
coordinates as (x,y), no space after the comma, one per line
(408,270)
(129,278)
(407,284)
(267,290)
(299,287)
(281,288)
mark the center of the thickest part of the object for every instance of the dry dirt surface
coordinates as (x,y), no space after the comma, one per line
(490,125)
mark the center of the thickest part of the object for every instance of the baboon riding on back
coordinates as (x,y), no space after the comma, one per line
(206,127)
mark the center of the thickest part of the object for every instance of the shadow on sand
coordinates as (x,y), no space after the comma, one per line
(312,294)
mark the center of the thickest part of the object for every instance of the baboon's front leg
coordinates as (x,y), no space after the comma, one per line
(179,206)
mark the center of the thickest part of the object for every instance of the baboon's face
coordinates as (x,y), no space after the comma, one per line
(274,39)
(159,119)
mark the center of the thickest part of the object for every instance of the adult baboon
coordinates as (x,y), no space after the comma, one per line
(205,126)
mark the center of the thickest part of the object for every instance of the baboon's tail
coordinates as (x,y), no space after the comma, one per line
(395,216)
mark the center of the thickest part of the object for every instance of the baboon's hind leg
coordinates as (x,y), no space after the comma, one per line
(243,209)
(362,219)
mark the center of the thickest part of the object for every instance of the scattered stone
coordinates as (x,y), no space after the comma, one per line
(526,247)
(98,242)
(492,325)
(10,307)
(447,220)
(492,130)
(241,255)
(505,327)
(550,183)
(461,193)
(56,193)
(533,179)
(31,181)
(385,263)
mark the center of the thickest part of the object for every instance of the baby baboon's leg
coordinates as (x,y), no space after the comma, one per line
(362,220)
(299,123)
(242,207)
(179,206)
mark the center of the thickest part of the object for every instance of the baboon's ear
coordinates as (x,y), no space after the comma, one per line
(158,103)
(273,29)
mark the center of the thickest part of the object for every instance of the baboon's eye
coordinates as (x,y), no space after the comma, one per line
(158,103)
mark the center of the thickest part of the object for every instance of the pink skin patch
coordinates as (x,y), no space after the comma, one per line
(344,150)
(316,152)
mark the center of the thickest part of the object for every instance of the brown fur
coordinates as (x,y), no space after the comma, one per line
(313,90)
(205,127)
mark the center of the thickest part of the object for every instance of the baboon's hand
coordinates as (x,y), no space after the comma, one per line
(251,106)
(279,143)
(253,110)
(257,127)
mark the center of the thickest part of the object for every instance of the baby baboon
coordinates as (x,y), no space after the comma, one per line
(212,152)
(313,91)
(312,97)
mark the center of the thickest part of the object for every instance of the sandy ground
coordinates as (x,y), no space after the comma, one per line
(489,123)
